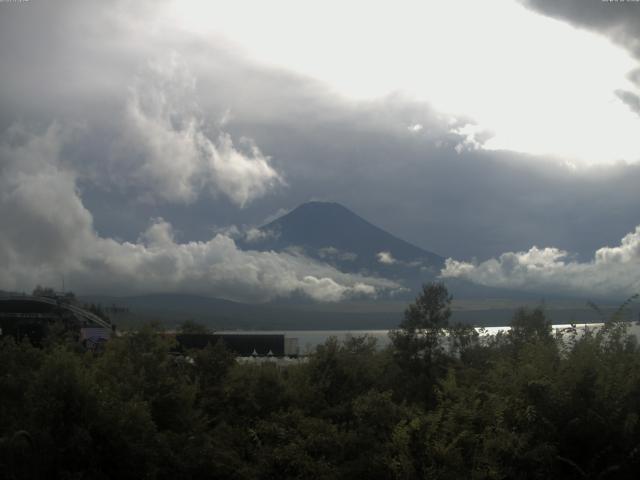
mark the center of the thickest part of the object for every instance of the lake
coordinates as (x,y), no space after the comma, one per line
(308,340)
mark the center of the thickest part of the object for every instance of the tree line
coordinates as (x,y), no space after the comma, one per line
(438,402)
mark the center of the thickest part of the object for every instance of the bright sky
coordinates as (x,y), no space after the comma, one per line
(540,85)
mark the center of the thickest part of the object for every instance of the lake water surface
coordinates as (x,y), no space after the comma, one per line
(308,340)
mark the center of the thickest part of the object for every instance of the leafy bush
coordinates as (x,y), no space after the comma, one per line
(524,404)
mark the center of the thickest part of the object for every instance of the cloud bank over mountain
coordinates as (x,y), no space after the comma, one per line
(51,236)
(612,272)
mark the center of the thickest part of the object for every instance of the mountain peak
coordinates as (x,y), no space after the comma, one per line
(320,222)
(331,232)
(320,206)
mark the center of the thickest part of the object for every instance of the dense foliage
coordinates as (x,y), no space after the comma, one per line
(524,404)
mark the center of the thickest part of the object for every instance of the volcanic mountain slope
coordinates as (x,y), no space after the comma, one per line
(332,233)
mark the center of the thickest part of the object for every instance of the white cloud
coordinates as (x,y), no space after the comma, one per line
(329,290)
(231,231)
(217,267)
(39,205)
(613,271)
(256,235)
(386,258)
(246,233)
(166,151)
(472,136)
(51,234)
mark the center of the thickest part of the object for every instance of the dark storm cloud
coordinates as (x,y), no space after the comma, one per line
(469,204)
(417,185)
(116,112)
(619,20)
(631,99)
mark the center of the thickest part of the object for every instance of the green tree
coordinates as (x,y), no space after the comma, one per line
(193,327)
(530,326)
(418,342)
(212,366)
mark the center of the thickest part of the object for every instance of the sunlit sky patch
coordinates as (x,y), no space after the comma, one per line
(538,85)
